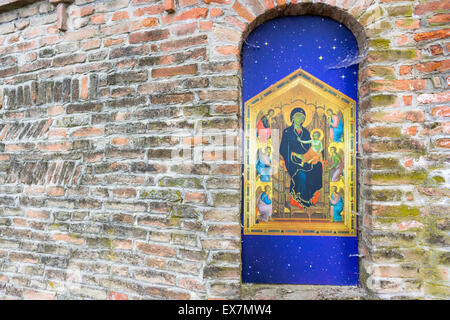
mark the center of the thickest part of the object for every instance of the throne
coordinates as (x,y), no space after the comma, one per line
(282,208)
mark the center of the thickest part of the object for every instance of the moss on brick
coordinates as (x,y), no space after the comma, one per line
(387,254)
(405,11)
(227,199)
(371,16)
(383,163)
(182,211)
(98,242)
(405,177)
(213,272)
(438,179)
(226,123)
(384,195)
(401,211)
(408,23)
(380,44)
(434,182)
(198,111)
(225,257)
(181,182)
(382,100)
(387,73)
(378,28)
(431,234)
(436,289)
(392,55)
(69,122)
(174,221)
(391,240)
(166,195)
(391,132)
(397,145)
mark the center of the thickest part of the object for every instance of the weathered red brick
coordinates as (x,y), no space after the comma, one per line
(427,67)
(443,143)
(431,6)
(228,50)
(149,22)
(397,85)
(184,29)
(183,43)
(174,71)
(84,132)
(195,13)
(38,295)
(125,192)
(433,97)
(215,12)
(436,49)
(407,24)
(67,238)
(151,35)
(117,296)
(152,10)
(432,35)
(156,249)
(439,19)
(55,146)
(242,11)
(441,111)
(55,191)
(120,15)
(69,59)
(98,19)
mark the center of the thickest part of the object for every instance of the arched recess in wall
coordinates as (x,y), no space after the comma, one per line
(300,92)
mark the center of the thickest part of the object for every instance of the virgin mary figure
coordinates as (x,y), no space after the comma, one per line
(306,177)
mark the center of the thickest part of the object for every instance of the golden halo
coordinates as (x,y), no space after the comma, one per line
(309,110)
(335,146)
(319,131)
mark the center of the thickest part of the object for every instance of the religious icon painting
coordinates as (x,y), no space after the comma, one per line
(300,160)
(299,179)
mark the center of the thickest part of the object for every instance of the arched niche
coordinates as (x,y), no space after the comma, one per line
(300,93)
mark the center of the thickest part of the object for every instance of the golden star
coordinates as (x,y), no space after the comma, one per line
(320,58)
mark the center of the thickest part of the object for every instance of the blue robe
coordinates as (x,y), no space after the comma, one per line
(263,170)
(306,179)
(265,198)
(337,209)
(264,206)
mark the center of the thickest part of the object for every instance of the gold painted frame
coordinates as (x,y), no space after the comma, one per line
(298,89)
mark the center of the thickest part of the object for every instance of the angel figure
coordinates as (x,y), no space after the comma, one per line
(337,164)
(264,204)
(336,125)
(336,204)
(263,131)
(264,165)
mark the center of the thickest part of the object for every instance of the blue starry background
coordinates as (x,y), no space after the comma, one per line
(325,49)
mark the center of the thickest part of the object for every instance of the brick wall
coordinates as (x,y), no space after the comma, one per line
(115,182)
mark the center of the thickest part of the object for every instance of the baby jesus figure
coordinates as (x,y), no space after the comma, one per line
(314,154)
